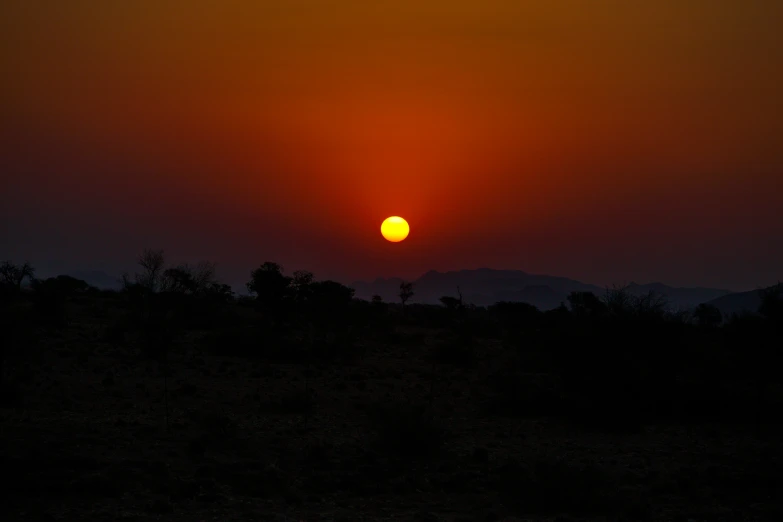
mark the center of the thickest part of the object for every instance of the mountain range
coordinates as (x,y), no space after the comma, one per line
(486,286)
(739,302)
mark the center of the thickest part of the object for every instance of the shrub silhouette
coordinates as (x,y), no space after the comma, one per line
(51,296)
(12,276)
(519,321)
(406,292)
(586,305)
(707,315)
(269,284)
(152,264)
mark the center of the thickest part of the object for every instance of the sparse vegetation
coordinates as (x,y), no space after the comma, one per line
(610,406)
(406,292)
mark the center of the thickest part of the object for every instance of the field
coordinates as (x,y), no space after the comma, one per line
(408,418)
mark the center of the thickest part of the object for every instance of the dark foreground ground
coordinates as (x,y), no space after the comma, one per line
(84,437)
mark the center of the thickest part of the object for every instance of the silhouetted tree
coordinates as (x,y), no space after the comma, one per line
(184,279)
(651,305)
(13,276)
(406,292)
(301,285)
(618,301)
(707,315)
(194,294)
(331,293)
(451,303)
(328,306)
(126,283)
(586,305)
(621,303)
(204,276)
(71,285)
(272,289)
(138,289)
(220,292)
(269,284)
(178,280)
(515,315)
(152,263)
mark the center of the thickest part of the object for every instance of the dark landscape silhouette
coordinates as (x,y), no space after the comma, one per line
(486,286)
(173,398)
(401,261)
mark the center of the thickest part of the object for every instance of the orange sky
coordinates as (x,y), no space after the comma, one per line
(604,140)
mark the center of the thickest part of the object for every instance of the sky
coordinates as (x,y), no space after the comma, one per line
(608,141)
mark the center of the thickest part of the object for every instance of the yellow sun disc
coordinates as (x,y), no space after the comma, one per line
(395,229)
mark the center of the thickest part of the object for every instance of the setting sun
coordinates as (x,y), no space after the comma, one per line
(395,229)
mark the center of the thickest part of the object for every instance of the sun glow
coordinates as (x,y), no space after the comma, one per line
(395,229)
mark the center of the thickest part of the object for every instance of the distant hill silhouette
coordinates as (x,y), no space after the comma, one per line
(679,296)
(96,278)
(486,286)
(738,302)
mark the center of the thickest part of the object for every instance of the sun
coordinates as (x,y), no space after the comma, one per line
(395,229)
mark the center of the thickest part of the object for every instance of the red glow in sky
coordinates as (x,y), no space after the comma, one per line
(606,141)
